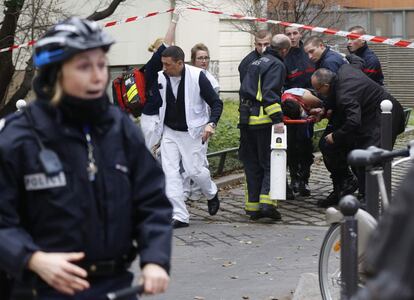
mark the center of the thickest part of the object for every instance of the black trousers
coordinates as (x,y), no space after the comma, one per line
(5,286)
(300,151)
(100,286)
(335,159)
(254,153)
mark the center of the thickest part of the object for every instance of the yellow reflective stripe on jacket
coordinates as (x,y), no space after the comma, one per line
(259,96)
(272,109)
(260,119)
(132,92)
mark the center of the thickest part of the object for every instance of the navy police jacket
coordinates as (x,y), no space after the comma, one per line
(299,68)
(372,67)
(67,212)
(331,60)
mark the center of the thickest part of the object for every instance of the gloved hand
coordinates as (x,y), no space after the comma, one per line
(178,10)
(175,17)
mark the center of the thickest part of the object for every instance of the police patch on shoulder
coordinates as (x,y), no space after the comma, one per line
(2,124)
(40,181)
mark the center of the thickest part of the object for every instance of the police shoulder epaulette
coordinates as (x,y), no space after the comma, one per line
(7,119)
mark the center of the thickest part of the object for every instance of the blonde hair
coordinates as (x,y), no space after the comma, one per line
(155,45)
(195,49)
(57,91)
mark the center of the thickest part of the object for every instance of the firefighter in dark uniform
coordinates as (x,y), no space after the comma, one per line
(260,108)
(80,195)
(357,125)
(299,136)
(372,66)
(261,42)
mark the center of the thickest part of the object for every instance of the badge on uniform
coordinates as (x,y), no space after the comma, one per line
(39,181)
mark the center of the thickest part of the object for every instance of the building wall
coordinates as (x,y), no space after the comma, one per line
(134,38)
(377,4)
(227,46)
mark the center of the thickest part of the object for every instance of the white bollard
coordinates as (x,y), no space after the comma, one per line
(20,104)
(278,159)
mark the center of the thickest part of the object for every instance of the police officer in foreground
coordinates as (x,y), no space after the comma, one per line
(259,109)
(80,195)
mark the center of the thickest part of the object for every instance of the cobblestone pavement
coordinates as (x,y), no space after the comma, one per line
(301,211)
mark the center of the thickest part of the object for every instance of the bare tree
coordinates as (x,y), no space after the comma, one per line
(251,8)
(324,13)
(309,12)
(26,20)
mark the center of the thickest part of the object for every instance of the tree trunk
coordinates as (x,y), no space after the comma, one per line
(7,32)
(22,92)
(99,15)
(7,69)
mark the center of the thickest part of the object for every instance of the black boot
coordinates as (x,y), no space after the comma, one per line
(304,189)
(289,193)
(331,200)
(349,186)
(270,211)
(294,185)
(213,205)
(255,215)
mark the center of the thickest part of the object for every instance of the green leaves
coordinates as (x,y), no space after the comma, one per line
(227,134)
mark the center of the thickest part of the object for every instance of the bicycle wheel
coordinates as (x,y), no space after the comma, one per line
(330,264)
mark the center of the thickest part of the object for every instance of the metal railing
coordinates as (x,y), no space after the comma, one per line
(222,161)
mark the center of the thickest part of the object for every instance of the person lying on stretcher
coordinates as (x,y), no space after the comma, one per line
(301,104)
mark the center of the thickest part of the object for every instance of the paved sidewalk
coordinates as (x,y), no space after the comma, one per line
(228,257)
(301,211)
(230,261)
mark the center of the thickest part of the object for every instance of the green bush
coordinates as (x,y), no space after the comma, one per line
(227,136)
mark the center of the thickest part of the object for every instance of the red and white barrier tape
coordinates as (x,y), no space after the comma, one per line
(137,18)
(345,34)
(108,24)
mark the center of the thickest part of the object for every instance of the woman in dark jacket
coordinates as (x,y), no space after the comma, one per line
(80,195)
